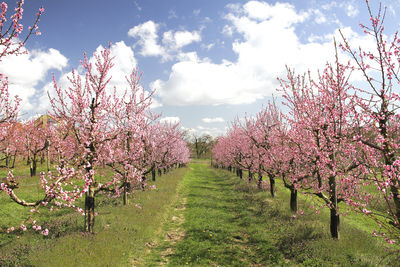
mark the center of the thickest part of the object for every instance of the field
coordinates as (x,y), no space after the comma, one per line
(197,216)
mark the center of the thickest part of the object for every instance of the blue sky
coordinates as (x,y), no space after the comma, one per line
(208,60)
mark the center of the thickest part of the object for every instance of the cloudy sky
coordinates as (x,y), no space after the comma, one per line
(209,61)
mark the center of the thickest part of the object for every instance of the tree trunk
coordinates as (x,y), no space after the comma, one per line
(334,208)
(13,163)
(125,198)
(250,176)
(153,175)
(293,199)
(144,182)
(48,159)
(272,185)
(159,172)
(334,224)
(41,158)
(8,158)
(241,173)
(89,209)
(259,183)
(32,166)
(395,191)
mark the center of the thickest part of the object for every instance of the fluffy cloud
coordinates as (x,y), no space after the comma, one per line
(26,71)
(179,39)
(212,120)
(171,43)
(148,38)
(171,120)
(269,43)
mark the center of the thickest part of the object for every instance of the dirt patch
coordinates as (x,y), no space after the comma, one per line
(175,233)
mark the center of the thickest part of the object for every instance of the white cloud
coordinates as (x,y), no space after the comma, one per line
(171,120)
(196,12)
(351,10)
(207,47)
(171,44)
(139,8)
(179,39)
(348,6)
(269,42)
(148,38)
(319,17)
(227,30)
(212,120)
(27,70)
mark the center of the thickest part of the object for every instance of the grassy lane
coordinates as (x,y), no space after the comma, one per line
(220,221)
(124,234)
(217,219)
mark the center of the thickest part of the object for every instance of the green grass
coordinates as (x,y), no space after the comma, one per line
(228,223)
(122,232)
(197,216)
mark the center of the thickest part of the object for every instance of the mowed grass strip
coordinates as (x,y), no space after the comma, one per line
(215,224)
(124,234)
(228,223)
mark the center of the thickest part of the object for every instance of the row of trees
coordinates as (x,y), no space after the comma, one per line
(337,142)
(102,139)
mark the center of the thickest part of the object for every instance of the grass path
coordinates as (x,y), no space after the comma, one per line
(218,220)
(215,228)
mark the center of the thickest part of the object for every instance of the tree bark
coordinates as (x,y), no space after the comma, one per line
(272,185)
(89,209)
(125,198)
(250,176)
(259,183)
(32,166)
(48,159)
(144,182)
(153,175)
(293,199)
(334,208)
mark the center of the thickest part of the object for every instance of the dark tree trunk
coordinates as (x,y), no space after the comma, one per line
(13,163)
(334,208)
(153,175)
(335,223)
(293,199)
(89,210)
(250,176)
(33,166)
(143,182)
(241,173)
(259,183)
(159,172)
(272,185)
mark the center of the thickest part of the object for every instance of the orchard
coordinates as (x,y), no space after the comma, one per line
(102,178)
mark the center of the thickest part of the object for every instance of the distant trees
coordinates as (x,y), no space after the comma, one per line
(201,145)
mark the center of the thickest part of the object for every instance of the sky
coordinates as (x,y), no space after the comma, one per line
(209,61)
